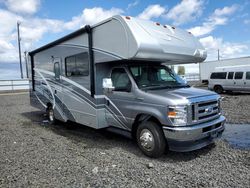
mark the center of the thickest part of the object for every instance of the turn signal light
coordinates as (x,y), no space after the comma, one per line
(171,114)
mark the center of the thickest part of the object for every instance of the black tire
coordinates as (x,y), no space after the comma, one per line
(51,115)
(218,89)
(152,131)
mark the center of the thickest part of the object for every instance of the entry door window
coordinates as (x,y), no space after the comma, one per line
(120,80)
(57,70)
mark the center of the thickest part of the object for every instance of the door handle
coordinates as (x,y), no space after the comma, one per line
(244,82)
(108,103)
(234,82)
(139,98)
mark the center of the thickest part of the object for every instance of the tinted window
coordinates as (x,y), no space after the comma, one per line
(248,75)
(120,80)
(77,65)
(218,75)
(230,75)
(238,75)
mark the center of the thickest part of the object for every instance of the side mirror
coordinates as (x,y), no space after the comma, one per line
(107,85)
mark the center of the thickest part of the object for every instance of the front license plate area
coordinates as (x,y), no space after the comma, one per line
(214,134)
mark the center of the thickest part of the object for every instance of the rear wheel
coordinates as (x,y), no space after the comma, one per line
(150,139)
(218,89)
(51,115)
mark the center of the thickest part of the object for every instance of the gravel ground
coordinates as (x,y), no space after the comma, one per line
(236,107)
(33,154)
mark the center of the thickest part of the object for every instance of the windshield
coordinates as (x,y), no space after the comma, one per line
(156,77)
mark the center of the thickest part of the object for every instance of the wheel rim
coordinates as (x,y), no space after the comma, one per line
(218,89)
(147,140)
(51,115)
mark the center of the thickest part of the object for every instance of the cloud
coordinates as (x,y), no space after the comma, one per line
(8,22)
(185,11)
(152,11)
(91,16)
(219,17)
(227,49)
(247,21)
(33,29)
(23,6)
(5,46)
(133,4)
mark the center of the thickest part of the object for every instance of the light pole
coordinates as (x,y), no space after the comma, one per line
(26,63)
(19,49)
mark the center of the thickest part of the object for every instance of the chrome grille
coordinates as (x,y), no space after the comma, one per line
(204,111)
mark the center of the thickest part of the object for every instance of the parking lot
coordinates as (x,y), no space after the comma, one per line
(35,154)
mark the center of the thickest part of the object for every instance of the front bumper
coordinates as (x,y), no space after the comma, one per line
(194,137)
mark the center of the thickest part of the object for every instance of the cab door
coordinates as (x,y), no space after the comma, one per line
(120,100)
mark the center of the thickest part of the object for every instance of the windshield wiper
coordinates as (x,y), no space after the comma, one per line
(181,86)
(155,87)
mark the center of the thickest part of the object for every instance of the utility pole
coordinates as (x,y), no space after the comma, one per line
(26,63)
(19,48)
(218,54)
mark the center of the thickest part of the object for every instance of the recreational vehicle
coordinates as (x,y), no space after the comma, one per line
(114,75)
(230,78)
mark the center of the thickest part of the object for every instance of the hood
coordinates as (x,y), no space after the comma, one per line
(182,93)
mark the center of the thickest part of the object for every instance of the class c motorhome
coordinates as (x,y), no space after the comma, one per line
(230,78)
(114,75)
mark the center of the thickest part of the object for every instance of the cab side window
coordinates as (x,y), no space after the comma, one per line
(238,75)
(120,80)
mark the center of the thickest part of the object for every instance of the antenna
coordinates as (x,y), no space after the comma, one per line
(19,48)
(218,54)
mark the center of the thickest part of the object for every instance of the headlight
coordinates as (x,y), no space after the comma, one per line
(178,115)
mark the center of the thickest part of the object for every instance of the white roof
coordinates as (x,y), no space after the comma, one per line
(137,39)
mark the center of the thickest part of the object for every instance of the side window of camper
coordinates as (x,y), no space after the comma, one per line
(238,75)
(120,80)
(248,75)
(218,75)
(230,75)
(77,65)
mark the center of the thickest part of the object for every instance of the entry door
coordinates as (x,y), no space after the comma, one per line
(57,88)
(120,101)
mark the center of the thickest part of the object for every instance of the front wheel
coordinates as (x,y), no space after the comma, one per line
(150,139)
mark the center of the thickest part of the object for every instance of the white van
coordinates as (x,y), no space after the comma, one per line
(230,78)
